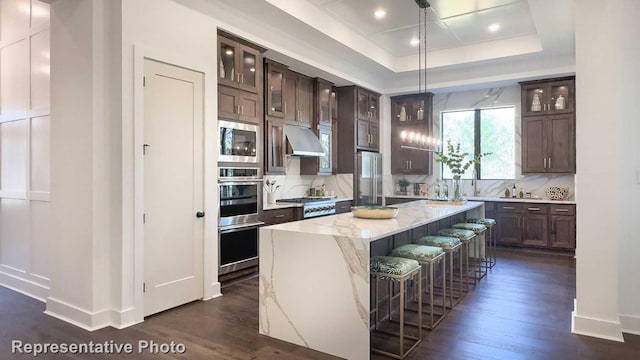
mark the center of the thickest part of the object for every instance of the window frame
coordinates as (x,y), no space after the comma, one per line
(477,124)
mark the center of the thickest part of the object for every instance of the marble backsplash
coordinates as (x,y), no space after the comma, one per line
(535,184)
(478,99)
(294,185)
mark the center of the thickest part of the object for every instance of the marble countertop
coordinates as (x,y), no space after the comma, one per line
(481,198)
(410,215)
(290,205)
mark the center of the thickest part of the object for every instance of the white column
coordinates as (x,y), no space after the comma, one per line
(85,158)
(607,37)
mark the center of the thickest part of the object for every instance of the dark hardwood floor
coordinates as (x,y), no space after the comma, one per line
(522,310)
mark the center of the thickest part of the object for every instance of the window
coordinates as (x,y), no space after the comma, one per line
(481,131)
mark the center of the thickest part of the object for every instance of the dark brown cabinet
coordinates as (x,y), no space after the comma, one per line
(535,225)
(274,146)
(279,216)
(562,223)
(548,129)
(343,206)
(548,144)
(322,115)
(358,125)
(239,105)
(547,97)
(239,64)
(289,94)
(411,117)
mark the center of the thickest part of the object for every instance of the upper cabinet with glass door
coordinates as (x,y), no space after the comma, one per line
(412,109)
(239,64)
(554,96)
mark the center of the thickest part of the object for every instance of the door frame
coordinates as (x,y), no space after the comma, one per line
(133,206)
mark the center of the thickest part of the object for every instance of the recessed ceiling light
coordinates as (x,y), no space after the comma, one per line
(414,41)
(380,13)
(494,27)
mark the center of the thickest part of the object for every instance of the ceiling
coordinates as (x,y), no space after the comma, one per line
(450,23)
(342,41)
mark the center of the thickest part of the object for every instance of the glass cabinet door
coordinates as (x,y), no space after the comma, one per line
(334,106)
(275,147)
(561,97)
(249,76)
(363,105)
(373,107)
(227,62)
(324,103)
(275,87)
(324,161)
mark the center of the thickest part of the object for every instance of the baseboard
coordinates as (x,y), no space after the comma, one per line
(630,324)
(123,319)
(77,316)
(24,286)
(214,291)
(599,328)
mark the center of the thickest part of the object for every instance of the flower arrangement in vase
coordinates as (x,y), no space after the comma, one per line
(458,162)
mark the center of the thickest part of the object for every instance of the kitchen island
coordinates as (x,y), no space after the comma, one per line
(314,275)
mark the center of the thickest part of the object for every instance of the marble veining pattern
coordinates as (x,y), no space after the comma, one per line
(484,98)
(356,257)
(314,276)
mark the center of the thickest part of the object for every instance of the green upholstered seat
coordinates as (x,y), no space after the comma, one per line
(463,235)
(476,228)
(420,253)
(484,221)
(392,265)
(445,242)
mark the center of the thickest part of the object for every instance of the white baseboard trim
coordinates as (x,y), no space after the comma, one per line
(77,316)
(123,319)
(24,286)
(214,291)
(599,328)
(630,324)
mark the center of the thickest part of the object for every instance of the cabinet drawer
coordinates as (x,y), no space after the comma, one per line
(535,208)
(343,207)
(563,210)
(279,216)
(508,207)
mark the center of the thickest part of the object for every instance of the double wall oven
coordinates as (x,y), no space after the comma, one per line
(240,212)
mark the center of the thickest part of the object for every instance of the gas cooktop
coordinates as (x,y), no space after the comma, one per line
(313,206)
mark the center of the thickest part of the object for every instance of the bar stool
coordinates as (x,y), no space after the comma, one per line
(465,236)
(400,270)
(490,262)
(451,246)
(478,258)
(427,256)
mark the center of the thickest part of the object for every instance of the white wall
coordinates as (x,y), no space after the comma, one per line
(24,147)
(607,58)
(484,98)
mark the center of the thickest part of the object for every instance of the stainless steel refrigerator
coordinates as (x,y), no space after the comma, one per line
(367,182)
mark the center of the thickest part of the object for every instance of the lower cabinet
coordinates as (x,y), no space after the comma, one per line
(343,206)
(394,200)
(279,216)
(536,225)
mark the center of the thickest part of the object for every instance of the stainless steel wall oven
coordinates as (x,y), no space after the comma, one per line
(240,212)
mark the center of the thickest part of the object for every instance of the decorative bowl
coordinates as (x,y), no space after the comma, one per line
(556,192)
(374,212)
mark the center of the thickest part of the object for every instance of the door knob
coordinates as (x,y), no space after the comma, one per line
(200,214)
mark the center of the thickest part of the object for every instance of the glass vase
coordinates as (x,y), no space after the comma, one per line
(456,187)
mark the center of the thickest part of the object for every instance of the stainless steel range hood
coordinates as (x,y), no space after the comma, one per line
(303,142)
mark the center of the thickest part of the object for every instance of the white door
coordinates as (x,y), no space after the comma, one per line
(173,186)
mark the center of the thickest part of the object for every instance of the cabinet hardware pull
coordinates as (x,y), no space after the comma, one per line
(562,210)
(410,164)
(242,110)
(508,208)
(549,163)
(279,216)
(545,163)
(533,209)
(284,103)
(242,78)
